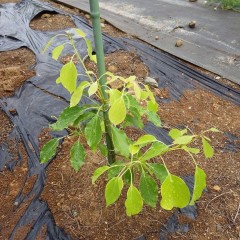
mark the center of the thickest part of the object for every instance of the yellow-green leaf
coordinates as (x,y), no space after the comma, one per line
(93,88)
(57,52)
(207,148)
(134,201)
(117,112)
(199,184)
(183,139)
(175,193)
(77,94)
(98,172)
(145,139)
(113,190)
(68,76)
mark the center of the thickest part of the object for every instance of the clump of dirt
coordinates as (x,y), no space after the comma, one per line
(15,68)
(51,21)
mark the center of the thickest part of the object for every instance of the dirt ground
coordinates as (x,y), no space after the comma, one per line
(78,206)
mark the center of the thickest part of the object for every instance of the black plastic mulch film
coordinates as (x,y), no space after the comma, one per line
(35,102)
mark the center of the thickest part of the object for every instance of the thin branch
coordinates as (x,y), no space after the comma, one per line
(217,197)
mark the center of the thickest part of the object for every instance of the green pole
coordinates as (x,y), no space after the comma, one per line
(97,32)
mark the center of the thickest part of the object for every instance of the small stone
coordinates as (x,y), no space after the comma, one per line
(102,25)
(102,20)
(46,15)
(16,204)
(87,16)
(217,78)
(192,24)
(112,69)
(179,43)
(156,37)
(151,82)
(75,213)
(219,227)
(216,188)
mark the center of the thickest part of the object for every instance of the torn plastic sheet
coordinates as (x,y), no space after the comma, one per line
(39,99)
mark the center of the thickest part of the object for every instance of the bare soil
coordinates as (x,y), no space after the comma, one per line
(79,207)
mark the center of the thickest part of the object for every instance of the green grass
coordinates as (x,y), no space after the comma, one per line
(227,4)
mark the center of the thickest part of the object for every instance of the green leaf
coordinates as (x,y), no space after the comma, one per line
(57,52)
(145,139)
(49,150)
(156,149)
(84,117)
(93,132)
(152,106)
(191,150)
(207,148)
(49,43)
(132,102)
(114,95)
(134,201)
(93,88)
(154,118)
(175,133)
(80,32)
(133,149)
(68,76)
(77,94)
(115,170)
(128,176)
(149,189)
(113,190)
(133,121)
(98,172)
(133,118)
(90,51)
(67,116)
(183,140)
(103,149)
(150,94)
(117,112)
(137,90)
(214,130)
(159,170)
(120,141)
(199,184)
(77,156)
(175,193)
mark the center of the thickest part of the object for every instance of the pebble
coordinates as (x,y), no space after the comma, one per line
(112,69)
(219,227)
(217,78)
(102,25)
(75,213)
(46,15)
(156,37)
(216,188)
(87,16)
(179,43)
(192,24)
(151,81)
